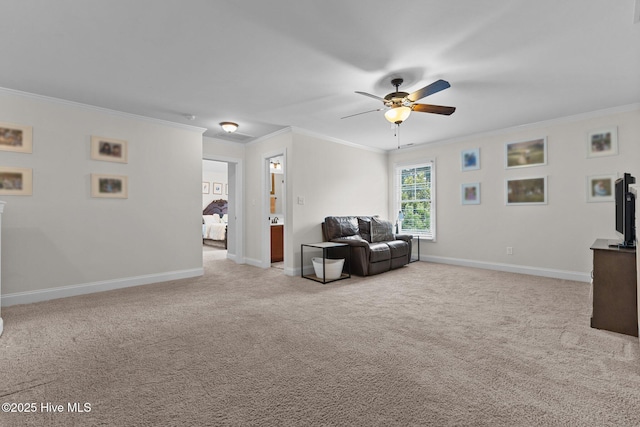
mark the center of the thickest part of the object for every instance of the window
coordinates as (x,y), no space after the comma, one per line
(415,199)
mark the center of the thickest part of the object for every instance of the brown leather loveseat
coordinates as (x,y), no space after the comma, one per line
(373,245)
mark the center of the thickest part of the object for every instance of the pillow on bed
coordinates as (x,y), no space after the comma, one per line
(225,218)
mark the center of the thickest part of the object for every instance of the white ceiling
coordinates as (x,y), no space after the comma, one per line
(273,64)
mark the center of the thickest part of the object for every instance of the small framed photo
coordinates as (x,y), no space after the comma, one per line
(603,142)
(109,186)
(470,159)
(526,153)
(108,149)
(470,194)
(526,191)
(217,188)
(601,188)
(206,188)
(16,138)
(16,181)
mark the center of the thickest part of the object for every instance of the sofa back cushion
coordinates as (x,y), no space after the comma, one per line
(364,227)
(381,230)
(340,226)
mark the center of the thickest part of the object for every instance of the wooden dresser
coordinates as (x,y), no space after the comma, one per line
(615,295)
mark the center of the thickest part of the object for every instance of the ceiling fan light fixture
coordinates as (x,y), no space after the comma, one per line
(397,115)
(229,127)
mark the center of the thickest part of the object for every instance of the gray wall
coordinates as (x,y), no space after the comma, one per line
(61,241)
(551,239)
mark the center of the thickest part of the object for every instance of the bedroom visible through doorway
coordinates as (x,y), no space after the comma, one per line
(215,206)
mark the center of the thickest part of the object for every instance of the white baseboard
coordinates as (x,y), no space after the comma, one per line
(88,288)
(1,326)
(255,263)
(511,268)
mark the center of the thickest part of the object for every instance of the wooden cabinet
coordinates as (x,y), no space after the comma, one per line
(615,306)
(277,243)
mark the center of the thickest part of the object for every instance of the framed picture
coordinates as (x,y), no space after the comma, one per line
(470,159)
(526,153)
(470,194)
(217,188)
(16,138)
(16,181)
(601,188)
(603,142)
(108,149)
(206,188)
(109,186)
(526,191)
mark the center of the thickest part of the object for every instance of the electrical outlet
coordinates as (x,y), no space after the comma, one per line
(300,200)
(509,250)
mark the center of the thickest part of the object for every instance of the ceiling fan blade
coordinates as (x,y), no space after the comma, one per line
(364,112)
(434,87)
(371,96)
(435,109)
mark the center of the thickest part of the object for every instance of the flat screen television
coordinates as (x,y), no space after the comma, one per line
(625,211)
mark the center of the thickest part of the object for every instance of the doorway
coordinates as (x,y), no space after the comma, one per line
(275,229)
(222,186)
(215,207)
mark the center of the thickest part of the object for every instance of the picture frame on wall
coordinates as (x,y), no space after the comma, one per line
(16,181)
(601,188)
(16,138)
(206,188)
(522,154)
(217,188)
(470,159)
(526,191)
(109,149)
(470,193)
(602,142)
(109,186)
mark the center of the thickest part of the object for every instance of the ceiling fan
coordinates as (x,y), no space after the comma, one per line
(400,104)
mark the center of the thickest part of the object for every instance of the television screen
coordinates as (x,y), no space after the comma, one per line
(625,211)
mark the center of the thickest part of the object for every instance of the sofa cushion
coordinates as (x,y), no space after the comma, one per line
(379,252)
(381,230)
(364,227)
(398,248)
(340,226)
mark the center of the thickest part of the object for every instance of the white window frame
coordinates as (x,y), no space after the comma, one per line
(397,171)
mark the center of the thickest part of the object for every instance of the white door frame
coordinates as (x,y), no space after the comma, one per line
(236,193)
(266,200)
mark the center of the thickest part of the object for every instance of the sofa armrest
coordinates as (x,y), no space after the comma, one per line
(359,250)
(405,237)
(352,242)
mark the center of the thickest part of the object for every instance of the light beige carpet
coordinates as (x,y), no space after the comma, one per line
(425,345)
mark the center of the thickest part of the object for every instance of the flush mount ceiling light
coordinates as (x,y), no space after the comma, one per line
(229,127)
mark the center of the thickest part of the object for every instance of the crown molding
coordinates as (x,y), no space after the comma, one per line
(301,131)
(89,107)
(534,125)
